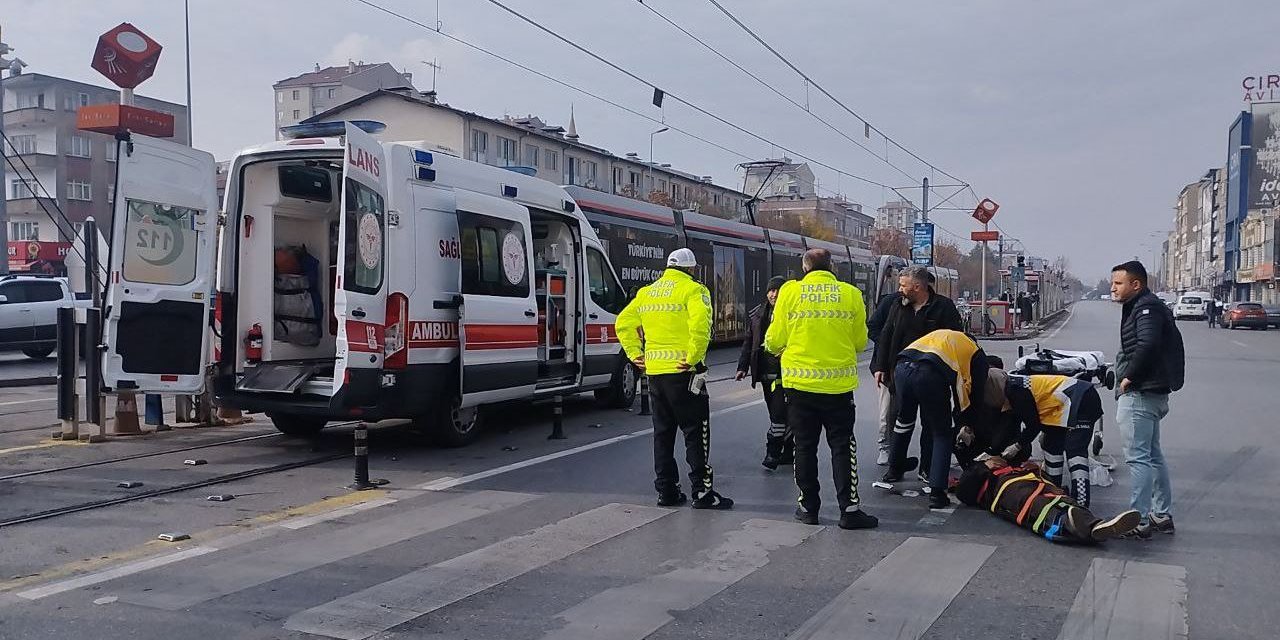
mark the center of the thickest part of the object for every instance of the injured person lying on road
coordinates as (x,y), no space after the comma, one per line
(1021,495)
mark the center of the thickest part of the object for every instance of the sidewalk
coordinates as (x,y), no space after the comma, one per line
(1027,333)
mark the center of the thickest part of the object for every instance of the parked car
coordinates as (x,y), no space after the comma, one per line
(1169,299)
(1191,305)
(1273,315)
(29,313)
(1245,314)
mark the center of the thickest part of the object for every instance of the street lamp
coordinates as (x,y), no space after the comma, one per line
(649,168)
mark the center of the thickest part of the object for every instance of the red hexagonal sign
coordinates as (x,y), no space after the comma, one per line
(126,56)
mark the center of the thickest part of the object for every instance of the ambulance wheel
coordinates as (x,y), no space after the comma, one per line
(298,426)
(621,392)
(452,426)
(38,353)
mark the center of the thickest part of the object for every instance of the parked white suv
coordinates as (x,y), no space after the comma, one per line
(1192,305)
(29,313)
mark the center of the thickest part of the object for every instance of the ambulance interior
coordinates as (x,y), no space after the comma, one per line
(556,279)
(289,228)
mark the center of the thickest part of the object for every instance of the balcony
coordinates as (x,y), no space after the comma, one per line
(31,207)
(38,160)
(32,117)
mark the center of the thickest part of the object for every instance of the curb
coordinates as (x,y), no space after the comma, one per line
(1041,327)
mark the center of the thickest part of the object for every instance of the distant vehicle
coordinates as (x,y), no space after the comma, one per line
(29,313)
(1169,299)
(1245,314)
(1191,305)
(1273,315)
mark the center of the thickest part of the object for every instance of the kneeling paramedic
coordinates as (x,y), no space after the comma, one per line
(819,326)
(665,331)
(1065,410)
(942,372)
(1019,494)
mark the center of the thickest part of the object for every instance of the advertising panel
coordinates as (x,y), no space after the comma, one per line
(922,244)
(1264,178)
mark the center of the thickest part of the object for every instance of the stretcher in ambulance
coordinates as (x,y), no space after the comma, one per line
(357,279)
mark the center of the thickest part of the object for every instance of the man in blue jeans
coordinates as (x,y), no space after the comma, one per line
(1150,366)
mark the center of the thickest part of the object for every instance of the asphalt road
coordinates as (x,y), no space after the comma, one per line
(520,537)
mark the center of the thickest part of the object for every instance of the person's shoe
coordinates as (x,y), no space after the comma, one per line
(883,458)
(1162,524)
(895,475)
(923,477)
(939,500)
(806,517)
(1139,532)
(858,519)
(1079,523)
(712,500)
(788,457)
(673,498)
(770,462)
(1116,526)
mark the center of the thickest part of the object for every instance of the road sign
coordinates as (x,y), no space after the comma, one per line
(984,236)
(1018,273)
(922,244)
(986,210)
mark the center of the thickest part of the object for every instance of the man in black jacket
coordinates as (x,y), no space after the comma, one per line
(765,370)
(1150,366)
(874,325)
(916,311)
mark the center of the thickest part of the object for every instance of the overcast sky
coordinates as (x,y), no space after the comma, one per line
(1082,119)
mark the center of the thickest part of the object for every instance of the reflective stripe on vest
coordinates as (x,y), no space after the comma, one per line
(810,373)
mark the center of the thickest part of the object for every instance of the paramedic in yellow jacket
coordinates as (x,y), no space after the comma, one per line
(665,331)
(819,326)
(944,373)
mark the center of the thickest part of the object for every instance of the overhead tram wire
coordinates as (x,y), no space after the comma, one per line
(826,93)
(770,87)
(670,95)
(612,103)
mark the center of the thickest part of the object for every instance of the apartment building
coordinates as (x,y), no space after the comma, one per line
(305,95)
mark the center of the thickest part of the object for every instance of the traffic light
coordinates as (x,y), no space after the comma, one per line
(1022,261)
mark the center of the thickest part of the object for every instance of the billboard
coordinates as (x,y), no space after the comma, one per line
(1264,178)
(922,244)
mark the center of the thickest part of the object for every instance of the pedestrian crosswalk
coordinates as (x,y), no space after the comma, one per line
(902,595)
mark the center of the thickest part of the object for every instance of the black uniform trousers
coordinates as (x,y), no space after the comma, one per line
(808,414)
(780,439)
(923,390)
(1071,445)
(675,408)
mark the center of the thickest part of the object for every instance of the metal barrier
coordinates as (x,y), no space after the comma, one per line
(362,481)
(68,376)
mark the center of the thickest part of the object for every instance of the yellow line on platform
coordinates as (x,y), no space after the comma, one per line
(42,445)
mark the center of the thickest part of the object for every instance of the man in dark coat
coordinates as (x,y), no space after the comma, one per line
(765,369)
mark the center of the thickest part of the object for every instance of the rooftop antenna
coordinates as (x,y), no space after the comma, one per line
(435,66)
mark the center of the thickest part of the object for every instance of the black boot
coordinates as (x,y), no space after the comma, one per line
(672,498)
(788,454)
(772,453)
(894,474)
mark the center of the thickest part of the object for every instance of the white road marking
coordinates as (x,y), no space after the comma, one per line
(900,597)
(176,592)
(1071,311)
(1123,599)
(635,611)
(32,401)
(383,606)
(306,521)
(440,484)
(936,517)
(1240,344)
(111,574)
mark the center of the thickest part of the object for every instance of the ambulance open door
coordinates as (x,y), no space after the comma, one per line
(360,297)
(160,268)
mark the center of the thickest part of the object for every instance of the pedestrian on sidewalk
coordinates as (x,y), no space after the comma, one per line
(1151,365)
(819,329)
(674,317)
(765,369)
(916,311)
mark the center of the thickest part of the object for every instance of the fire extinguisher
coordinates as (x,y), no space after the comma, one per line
(253,344)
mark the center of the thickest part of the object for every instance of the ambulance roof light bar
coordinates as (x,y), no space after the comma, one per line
(329,129)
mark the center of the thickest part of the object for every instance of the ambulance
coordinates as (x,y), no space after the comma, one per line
(347,278)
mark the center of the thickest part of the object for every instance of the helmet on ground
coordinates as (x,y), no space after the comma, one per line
(682,258)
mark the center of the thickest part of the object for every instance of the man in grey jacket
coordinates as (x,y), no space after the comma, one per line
(1150,366)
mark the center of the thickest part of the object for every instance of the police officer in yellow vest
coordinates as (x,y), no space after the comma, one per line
(665,331)
(938,375)
(819,326)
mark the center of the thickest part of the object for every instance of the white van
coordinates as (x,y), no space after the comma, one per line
(1191,305)
(357,279)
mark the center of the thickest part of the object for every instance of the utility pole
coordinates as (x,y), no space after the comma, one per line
(186,19)
(15,67)
(924,205)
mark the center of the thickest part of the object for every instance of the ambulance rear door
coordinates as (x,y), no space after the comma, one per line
(360,297)
(161,268)
(499,314)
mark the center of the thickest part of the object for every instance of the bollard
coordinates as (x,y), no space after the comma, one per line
(644,395)
(557,419)
(95,404)
(68,376)
(362,481)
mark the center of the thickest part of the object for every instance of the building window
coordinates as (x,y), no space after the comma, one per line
(297,115)
(508,151)
(111,194)
(634,180)
(19,231)
(30,100)
(295,94)
(69,103)
(84,99)
(617,178)
(77,190)
(551,160)
(22,145)
(280,97)
(588,174)
(333,93)
(531,155)
(480,146)
(19,189)
(81,147)
(111,151)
